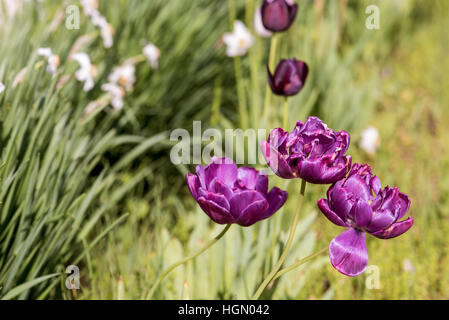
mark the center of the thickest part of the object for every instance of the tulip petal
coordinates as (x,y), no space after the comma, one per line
(219,187)
(250,178)
(276,16)
(362,213)
(348,253)
(381,220)
(253,213)
(193,183)
(216,212)
(395,230)
(323,204)
(276,161)
(223,169)
(276,199)
(241,206)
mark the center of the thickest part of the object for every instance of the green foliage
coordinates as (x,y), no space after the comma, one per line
(101,193)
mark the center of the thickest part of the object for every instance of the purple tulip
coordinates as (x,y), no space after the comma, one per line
(234,195)
(359,203)
(289,78)
(312,151)
(278,15)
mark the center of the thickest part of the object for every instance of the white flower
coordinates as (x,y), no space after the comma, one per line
(106,29)
(239,41)
(89,6)
(153,54)
(12,7)
(53,61)
(408,266)
(370,140)
(87,71)
(2,87)
(117,94)
(258,25)
(123,76)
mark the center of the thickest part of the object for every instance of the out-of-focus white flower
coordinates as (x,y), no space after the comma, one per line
(258,25)
(89,6)
(153,54)
(370,140)
(12,7)
(87,71)
(2,87)
(117,94)
(106,29)
(53,61)
(408,266)
(239,41)
(123,76)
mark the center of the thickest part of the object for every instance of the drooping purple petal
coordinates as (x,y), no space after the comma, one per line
(348,253)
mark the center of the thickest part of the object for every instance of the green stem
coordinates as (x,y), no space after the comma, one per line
(241,93)
(177,264)
(285,121)
(299,263)
(271,62)
(278,265)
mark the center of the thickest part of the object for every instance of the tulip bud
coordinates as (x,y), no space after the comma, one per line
(289,78)
(278,15)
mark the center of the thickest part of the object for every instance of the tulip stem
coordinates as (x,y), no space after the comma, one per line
(299,263)
(284,123)
(278,265)
(177,264)
(271,62)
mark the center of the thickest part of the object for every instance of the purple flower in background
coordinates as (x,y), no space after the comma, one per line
(359,203)
(312,151)
(234,195)
(278,15)
(289,78)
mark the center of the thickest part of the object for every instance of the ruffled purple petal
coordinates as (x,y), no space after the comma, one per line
(216,212)
(395,229)
(323,204)
(348,253)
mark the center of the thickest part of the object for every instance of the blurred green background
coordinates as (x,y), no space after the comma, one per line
(102,194)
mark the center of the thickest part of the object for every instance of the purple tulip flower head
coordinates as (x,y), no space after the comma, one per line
(228,194)
(289,78)
(312,152)
(359,203)
(278,15)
